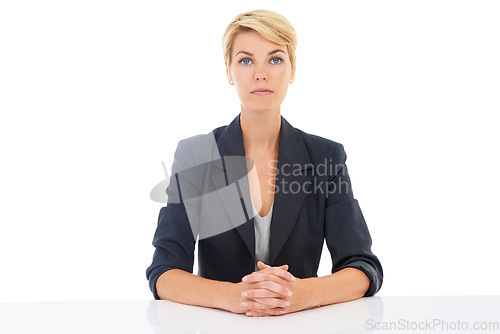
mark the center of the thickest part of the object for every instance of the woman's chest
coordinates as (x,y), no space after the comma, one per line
(262,179)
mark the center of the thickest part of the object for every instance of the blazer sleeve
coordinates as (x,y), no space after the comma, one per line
(173,240)
(346,232)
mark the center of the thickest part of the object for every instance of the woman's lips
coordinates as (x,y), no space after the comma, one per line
(262,92)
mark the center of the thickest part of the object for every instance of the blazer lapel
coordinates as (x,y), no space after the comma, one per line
(231,171)
(291,183)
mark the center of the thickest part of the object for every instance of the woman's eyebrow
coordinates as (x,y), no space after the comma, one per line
(251,54)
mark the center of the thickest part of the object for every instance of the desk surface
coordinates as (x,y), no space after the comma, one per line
(453,314)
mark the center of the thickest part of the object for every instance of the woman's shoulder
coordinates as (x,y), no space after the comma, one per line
(319,146)
(317,140)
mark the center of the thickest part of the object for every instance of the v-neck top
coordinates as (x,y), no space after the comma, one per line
(262,226)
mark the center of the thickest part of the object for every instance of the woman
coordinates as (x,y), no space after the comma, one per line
(262,261)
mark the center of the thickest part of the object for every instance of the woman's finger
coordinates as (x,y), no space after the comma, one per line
(272,302)
(266,297)
(261,265)
(273,284)
(256,313)
(273,287)
(264,303)
(267,312)
(260,293)
(269,274)
(253,305)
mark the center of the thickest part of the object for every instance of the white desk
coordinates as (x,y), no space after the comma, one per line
(366,315)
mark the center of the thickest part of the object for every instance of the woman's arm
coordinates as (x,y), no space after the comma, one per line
(183,287)
(344,285)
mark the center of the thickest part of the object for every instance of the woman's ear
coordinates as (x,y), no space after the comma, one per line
(228,74)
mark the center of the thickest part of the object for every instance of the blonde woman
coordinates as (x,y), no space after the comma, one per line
(265,264)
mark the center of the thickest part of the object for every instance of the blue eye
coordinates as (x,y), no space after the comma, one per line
(245,61)
(279,60)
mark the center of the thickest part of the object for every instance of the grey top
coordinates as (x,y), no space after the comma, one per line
(262,226)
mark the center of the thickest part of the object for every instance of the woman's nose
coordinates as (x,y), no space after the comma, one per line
(260,74)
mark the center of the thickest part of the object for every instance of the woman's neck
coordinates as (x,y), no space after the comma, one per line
(260,131)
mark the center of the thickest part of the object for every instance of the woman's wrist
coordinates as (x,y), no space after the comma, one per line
(231,297)
(303,295)
(309,293)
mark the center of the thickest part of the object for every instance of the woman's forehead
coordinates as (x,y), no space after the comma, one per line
(253,42)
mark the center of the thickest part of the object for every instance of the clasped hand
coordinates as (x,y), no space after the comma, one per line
(270,291)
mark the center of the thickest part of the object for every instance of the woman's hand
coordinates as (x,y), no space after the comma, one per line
(238,294)
(273,291)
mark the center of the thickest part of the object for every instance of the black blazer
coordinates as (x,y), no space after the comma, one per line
(313,202)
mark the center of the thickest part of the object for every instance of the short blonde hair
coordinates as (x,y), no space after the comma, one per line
(269,24)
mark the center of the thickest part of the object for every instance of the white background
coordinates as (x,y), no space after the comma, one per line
(95,94)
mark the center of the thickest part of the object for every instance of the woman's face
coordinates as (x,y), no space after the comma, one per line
(259,64)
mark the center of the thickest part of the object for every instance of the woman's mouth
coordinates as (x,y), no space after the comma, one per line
(262,91)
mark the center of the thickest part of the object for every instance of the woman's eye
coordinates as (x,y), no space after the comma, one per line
(246,61)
